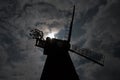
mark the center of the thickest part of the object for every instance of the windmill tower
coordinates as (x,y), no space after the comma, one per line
(58,65)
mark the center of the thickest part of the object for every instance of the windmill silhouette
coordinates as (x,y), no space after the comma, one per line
(58,65)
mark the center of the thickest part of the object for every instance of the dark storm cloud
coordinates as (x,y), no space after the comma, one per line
(102,35)
(7,8)
(47,7)
(8,38)
(8,42)
(91,12)
(105,28)
(85,17)
(96,26)
(110,72)
(19,58)
(37,15)
(116,49)
(13,49)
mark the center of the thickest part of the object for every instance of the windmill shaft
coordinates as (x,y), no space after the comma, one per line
(70,31)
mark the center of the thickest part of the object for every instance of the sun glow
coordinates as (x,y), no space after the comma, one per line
(51,35)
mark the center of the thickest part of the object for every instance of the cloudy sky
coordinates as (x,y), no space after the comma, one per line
(96,26)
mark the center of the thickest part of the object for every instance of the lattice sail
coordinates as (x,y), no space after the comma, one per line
(89,54)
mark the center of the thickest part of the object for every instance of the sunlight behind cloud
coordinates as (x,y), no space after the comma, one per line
(51,35)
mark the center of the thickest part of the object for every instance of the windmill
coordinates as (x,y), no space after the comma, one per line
(58,65)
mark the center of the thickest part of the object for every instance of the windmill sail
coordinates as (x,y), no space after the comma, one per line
(71,24)
(89,54)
